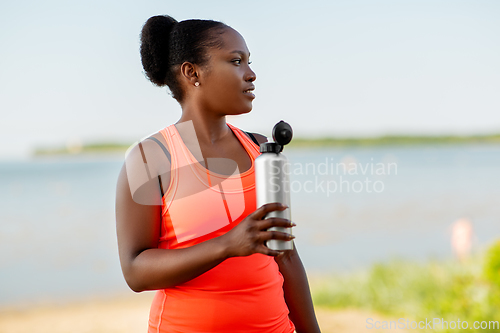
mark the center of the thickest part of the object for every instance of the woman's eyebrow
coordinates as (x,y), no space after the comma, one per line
(240,52)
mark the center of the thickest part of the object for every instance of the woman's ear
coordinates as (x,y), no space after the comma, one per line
(189,73)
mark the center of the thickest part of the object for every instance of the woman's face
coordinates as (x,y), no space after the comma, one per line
(227,77)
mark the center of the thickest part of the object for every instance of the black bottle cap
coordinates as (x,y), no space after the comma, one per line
(270,147)
(282,133)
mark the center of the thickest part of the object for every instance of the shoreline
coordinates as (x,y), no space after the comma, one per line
(98,148)
(129,313)
(121,313)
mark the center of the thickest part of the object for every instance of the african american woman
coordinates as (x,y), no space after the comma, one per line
(186,215)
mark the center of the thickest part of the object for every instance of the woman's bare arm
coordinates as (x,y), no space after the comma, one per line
(297,293)
(144,266)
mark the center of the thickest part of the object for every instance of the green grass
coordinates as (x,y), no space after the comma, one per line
(103,147)
(401,289)
(395,140)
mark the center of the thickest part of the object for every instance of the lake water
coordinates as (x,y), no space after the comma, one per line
(353,207)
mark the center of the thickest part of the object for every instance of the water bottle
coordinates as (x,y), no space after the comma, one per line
(272,183)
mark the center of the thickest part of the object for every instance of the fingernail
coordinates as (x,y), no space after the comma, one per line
(293,224)
(284,206)
(291,236)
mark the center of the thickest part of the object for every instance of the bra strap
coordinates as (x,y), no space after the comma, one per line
(252,137)
(166,154)
(162,147)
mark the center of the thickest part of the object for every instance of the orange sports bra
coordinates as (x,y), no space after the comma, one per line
(241,294)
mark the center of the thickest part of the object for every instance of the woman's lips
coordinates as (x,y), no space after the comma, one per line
(249,93)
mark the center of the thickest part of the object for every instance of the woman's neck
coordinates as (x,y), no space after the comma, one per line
(209,128)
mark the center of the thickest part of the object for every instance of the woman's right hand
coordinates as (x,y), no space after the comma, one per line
(250,235)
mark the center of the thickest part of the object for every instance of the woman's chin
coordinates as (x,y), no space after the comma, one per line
(248,110)
(249,107)
(243,110)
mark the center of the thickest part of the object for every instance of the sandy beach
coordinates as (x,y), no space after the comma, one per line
(129,314)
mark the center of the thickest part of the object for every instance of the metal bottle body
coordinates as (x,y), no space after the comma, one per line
(272,184)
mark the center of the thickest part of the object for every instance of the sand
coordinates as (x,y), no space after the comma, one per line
(129,314)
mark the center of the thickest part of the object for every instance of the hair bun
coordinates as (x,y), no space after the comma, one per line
(155,37)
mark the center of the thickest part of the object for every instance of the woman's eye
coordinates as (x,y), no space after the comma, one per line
(238,61)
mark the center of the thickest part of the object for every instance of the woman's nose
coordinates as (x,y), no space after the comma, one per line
(250,75)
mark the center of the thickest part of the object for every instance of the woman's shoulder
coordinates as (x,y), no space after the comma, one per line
(147,163)
(151,149)
(156,142)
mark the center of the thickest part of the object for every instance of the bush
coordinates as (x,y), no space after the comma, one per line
(450,290)
(492,264)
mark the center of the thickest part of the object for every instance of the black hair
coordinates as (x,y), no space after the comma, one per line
(166,44)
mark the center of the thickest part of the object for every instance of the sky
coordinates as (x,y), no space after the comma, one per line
(70,71)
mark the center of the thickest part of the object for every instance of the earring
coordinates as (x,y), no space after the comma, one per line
(196,84)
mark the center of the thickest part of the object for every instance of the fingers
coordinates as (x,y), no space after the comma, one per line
(264,209)
(275,222)
(254,233)
(267,251)
(273,234)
